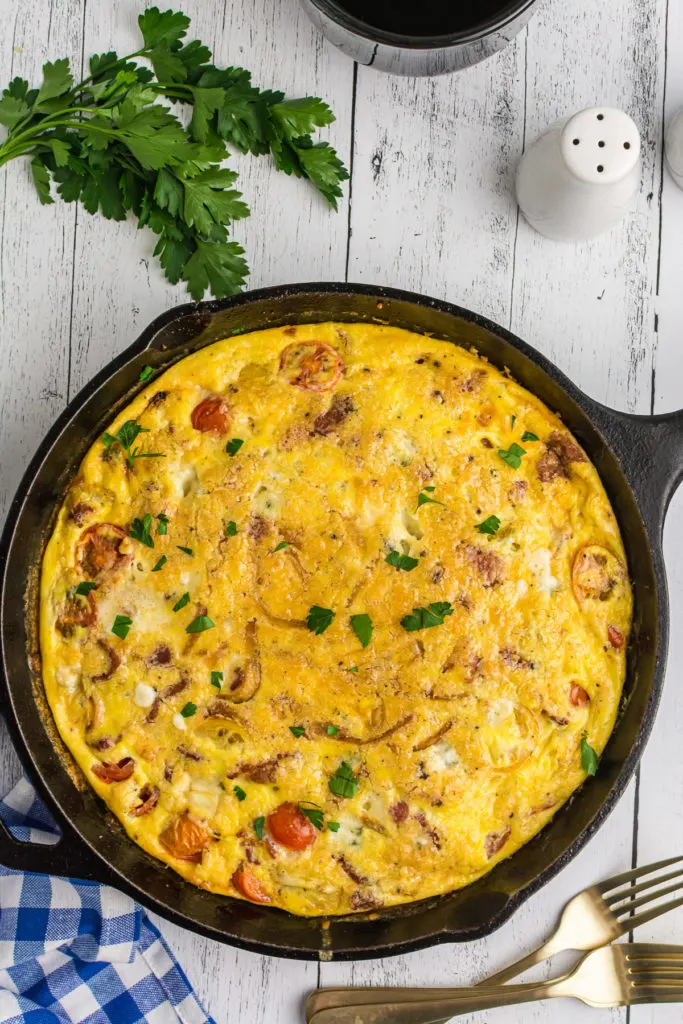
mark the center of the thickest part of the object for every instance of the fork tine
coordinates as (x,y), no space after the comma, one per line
(628,876)
(649,897)
(631,890)
(629,923)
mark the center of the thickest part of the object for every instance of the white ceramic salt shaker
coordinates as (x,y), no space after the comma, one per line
(579,178)
(674,147)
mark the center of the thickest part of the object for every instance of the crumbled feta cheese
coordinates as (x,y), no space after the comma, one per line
(440,757)
(179,722)
(144,695)
(540,566)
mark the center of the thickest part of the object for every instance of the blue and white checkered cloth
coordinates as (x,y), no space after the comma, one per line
(74,951)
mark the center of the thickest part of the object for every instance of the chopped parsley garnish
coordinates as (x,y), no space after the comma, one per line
(231,528)
(189,710)
(83,589)
(319,619)
(232,447)
(528,436)
(490,525)
(239,793)
(314,814)
(404,562)
(200,624)
(146,374)
(258,827)
(513,420)
(140,530)
(513,456)
(424,618)
(362,627)
(162,524)
(281,546)
(126,437)
(333,826)
(216,679)
(297,730)
(354,668)
(188,551)
(185,599)
(122,624)
(344,782)
(424,499)
(160,564)
(589,759)
(332,730)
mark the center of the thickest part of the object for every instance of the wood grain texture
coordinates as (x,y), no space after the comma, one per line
(431,210)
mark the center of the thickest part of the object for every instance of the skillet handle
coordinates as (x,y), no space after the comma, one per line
(68,858)
(650,449)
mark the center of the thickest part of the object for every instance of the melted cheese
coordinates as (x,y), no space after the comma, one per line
(464,737)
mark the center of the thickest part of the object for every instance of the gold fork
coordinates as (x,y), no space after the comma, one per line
(621,975)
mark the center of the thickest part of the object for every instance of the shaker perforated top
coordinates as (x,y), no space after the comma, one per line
(600,145)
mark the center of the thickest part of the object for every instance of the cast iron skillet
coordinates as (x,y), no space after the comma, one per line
(640,460)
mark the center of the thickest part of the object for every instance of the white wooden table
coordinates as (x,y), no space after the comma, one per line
(429,209)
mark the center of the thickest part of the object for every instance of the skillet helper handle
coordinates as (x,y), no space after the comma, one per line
(68,858)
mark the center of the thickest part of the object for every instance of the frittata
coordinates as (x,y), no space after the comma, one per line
(334,617)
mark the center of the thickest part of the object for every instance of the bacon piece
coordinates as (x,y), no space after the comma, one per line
(399,811)
(186,838)
(365,901)
(246,681)
(104,743)
(345,737)
(340,408)
(348,869)
(513,659)
(149,795)
(157,399)
(474,382)
(161,655)
(175,688)
(517,492)
(259,527)
(495,841)
(487,564)
(428,829)
(95,711)
(114,661)
(99,549)
(261,771)
(246,882)
(80,512)
(191,755)
(615,637)
(221,709)
(561,452)
(153,712)
(108,772)
(486,443)
(556,719)
(578,696)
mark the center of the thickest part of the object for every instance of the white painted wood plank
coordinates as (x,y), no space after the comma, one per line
(591,307)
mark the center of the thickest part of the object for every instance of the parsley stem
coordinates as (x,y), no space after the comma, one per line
(106,67)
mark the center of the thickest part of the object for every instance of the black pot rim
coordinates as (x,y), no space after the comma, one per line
(511,10)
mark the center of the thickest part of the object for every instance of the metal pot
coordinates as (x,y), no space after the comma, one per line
(640,461)
(418,55)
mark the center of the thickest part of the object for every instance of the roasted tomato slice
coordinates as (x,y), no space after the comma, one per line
(311,365)
(578,696)
(596,573)
(615,637)
(212,416)
(76,611)
(104,548)
(290,827)
(246,882)
(186,838)
(109,772)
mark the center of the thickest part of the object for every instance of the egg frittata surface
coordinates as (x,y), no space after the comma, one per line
(334,617)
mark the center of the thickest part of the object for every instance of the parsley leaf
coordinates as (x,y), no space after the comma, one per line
(126,438)
(528,436)
(200,624)
(232,447)
(140,530)
(160,564)
(404,562)
(362,627)
(425,618)
(146,374)
(122,624)
(189,710)
(239,793)
(343,782)
(354,668)
(162,524)
(216,679)
(231,528)
(314,814)
(188,551)
(424,499)
(184,600)
(332,730)
(297,730)
(513,420)
(281,546)
(589,758)
(259,824)
(490,525)
(83,589)
(333,826)
(513,455)
(319,619)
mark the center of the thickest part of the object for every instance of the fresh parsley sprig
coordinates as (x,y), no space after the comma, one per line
(126,438)
(112,142)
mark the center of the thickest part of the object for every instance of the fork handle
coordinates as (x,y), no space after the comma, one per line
(422,1006)
(548,949)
